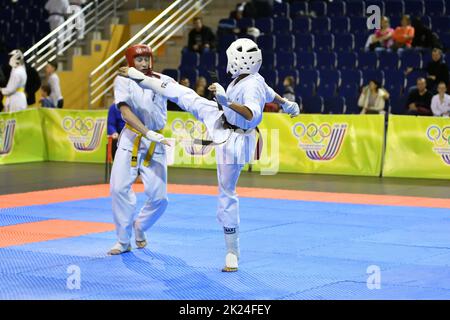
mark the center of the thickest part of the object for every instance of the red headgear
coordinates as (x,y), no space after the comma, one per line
(139,50)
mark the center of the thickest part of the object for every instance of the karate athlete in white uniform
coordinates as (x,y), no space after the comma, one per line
(144,108)
(248,93)
(140,151)
(14,98)
(243,104)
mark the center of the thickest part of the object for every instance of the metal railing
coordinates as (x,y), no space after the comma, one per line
(163,27)
(95,13)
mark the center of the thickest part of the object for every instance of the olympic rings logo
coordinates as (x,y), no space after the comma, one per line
(195,129)
(315,133)
(439,136)
(82,126)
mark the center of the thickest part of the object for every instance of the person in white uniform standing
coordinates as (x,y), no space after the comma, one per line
(57,12)
(243,104)
(79,23)
(14,98)
(243,108)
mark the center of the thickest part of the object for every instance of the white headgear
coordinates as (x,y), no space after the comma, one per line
(244,56)
(16,58)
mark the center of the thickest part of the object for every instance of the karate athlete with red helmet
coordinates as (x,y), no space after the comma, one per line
(243,104)
(140,148)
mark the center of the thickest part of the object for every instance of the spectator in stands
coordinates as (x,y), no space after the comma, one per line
(288,88)
(244,9)
(440,104)
(372,99)
(382,38)
(404,34)
(45,101)
(437,70)
(419,99)
(185,82)
(57,12)
(263,8)
(423,37)
(53,82)
(115,126)
(201,38)
(201,86)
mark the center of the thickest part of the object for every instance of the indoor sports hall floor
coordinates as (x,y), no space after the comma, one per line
(302,237)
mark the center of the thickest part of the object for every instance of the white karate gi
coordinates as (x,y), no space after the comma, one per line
(14,92)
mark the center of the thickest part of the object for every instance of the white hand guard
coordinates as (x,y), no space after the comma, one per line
(291,108)
(135,74)
(221,96)
(154,136)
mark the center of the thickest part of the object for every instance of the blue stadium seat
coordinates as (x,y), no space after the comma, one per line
(326,60)
(285,42)
(395,8)
(336,9)
(269,59)
(304,42)
(189,59)
(173,73)
(280,9)
(394,89)
(445,39)
(191,74)
(305,89)
(298,8)
(301,25)
(324,42)
(388,61)
(356,8)
(411,58)
(320,25)
(208,60)
(367,60)
(334,105)
(348,90)
(282,25)
(435,8)
(286,60)
(309,76)
(344,42)
(306,60)
(313,104)
(358,25)
(265,25)
(441,24)
(394,79)
(360,41)
(318,7)
(427,21)
(347,60)
(270,76)
(227,24)
(327,90)
(225,41)
(351,77)
(351,105)
(369,75)
(398,104)
(330,76)
(245,23)
(266,42)
(340,24)
(415,8)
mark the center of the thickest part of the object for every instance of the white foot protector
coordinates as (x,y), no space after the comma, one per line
(141,239)
(231,263)
(119,248)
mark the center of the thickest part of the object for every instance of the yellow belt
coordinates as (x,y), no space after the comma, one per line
(18,90)
(136,144)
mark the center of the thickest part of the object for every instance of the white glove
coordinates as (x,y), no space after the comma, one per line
(154,136)
(135,74)
(291,108)
(221,96)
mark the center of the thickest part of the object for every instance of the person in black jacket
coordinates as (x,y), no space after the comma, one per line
(423,36)
(201,38)
(419,100)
